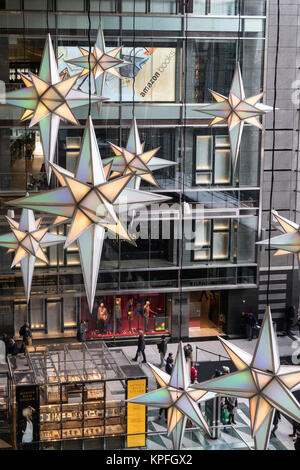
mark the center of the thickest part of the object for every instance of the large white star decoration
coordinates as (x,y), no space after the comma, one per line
(91,203)
(99,61)
(47,100)
(178,396)
(235,110)
(133,160)
(262,380)
(289,241)
(28,241)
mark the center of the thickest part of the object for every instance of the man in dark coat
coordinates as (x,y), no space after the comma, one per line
(140,347)
(162,349)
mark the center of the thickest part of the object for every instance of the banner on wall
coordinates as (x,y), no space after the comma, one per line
(151,69)
(136,414)
(27,426)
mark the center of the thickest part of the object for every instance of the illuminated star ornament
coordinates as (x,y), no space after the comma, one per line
(47,100)
(235,110)
(289,241)
(262,380)
(133,160)
(177,395)
(28,241)
(91,203)
(99,61)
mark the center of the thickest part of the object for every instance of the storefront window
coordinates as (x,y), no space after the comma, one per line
(213,160)
(125,315)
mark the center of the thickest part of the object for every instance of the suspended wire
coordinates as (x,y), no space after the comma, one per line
(273,146)
(133,81)
(90,51)
(239,41)
(181,173)
(47,17)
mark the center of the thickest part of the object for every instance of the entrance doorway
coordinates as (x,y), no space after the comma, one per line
(207,317)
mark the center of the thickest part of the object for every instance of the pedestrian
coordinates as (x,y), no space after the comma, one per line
(250,325)
(297,441)
(224,415)
(169,366)
(277,417)
(12,347)
(231,403)
(193,373)
(188,350)
(25,333)
(140,347)
(81,332)
(162,349)
(169,358)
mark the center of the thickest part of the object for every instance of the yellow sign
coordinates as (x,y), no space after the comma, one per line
(136,414)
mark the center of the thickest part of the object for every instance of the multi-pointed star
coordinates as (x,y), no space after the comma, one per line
(28,241)
(178,396)
(91,203)
(235,110)
(47,100)
(262,380)
(98,62)
(133,160)
(289,241)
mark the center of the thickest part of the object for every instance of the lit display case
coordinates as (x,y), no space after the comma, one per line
(70,392)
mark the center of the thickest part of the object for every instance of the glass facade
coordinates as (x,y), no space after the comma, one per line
(203,240)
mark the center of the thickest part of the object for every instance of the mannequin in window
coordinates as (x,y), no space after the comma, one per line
(139,311)
(130,309)
(146,312)
(118,314)
(101,317)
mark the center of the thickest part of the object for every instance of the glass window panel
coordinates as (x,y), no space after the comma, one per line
(202,236)
(222,166)
(222,141)
(163,6)
(20,316)
(70,312)
(53,317)
(221,224)
(37,313)
(203,178)
(202,254)
(70,5)
(128,6)
(103,5)
(221,245)
(199,7)
(203,152)
(222,7)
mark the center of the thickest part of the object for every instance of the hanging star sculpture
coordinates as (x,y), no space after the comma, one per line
(27,239)
(235,110)
(262,380)
(177,395)
(91,203)
(98,62)
(133,160)
(47,100)
(289,241)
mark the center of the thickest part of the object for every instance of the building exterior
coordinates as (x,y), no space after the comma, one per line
(198,284)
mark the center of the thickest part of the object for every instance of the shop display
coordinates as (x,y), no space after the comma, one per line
(28,241)
(289,242)
(133,160)
(47,100)
(262,380)
(235,110)
(176,394)
(126,317)
(77,409)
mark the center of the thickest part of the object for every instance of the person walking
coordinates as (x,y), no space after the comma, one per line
(250,325)
(169,366)
(81,333)
(170,356)
(276,419)
(162,349)
(231,403)
(193,373)
(25,334)
(141,347)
